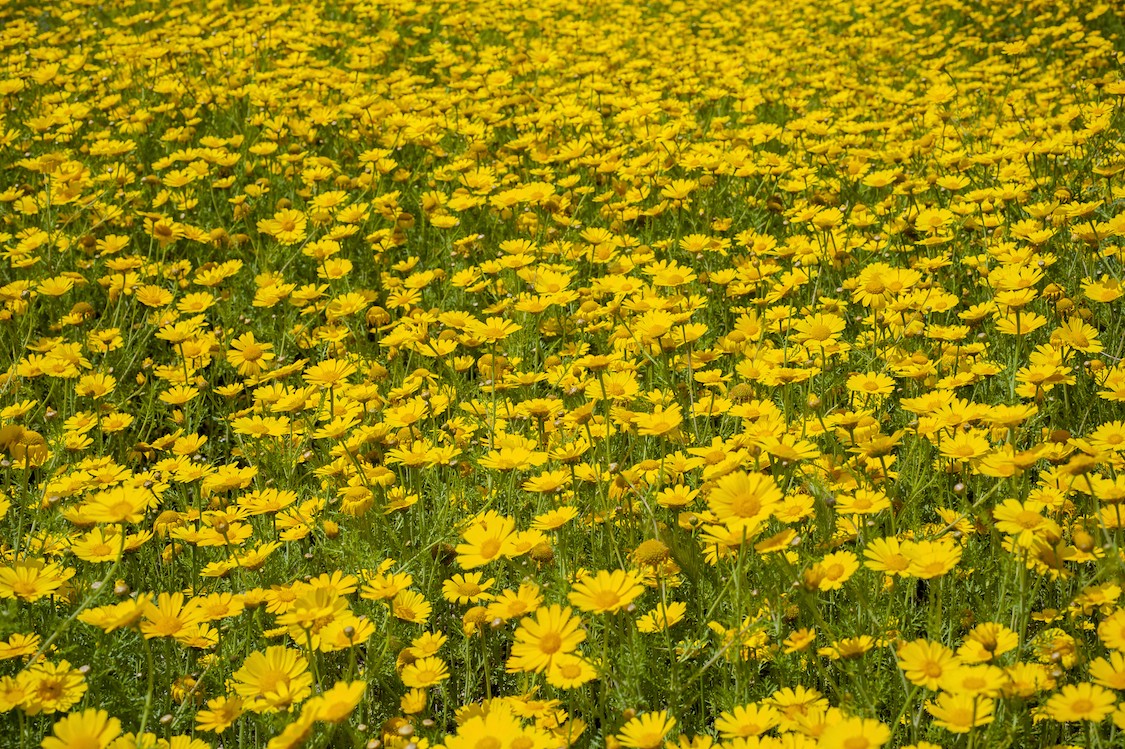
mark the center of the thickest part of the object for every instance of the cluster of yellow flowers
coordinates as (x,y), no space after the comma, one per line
(497,375)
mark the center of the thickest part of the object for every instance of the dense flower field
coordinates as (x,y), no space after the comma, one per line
(496,374)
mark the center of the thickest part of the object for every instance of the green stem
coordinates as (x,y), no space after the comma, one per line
(148,692)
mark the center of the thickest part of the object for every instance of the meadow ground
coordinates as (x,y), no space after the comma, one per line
(522,374)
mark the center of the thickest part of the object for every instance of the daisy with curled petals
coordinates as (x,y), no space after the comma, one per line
(795,704)
(986,642)
(170,615)
(1109,672)
(818,330)
(886,555)
(494,329)
(981,680)
(930,559)
(411,606)
(871,384)
(287,226)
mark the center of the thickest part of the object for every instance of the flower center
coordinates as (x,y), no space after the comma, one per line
(550,643)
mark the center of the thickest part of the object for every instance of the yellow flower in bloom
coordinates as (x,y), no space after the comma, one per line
(744,501)
(548,633)
(115,616)
(855,733)
(19,645)
(494,329)
(886,555)
(1111,631)
(513,604)
(170,615)
(660,422)
(411,606)
(819,330)
(51,687)
(274,679)
(425,672)
(329,373)
(96,386)
(497,728)
(220,714)
(32,579)
(121,504)
(513,457)
(799,640)
(746,721)
(606,592)
(863,502)
(871,383)
(930,559)
(961,713)
(249,355)
(488,538)
(833,571)
(977,680)
(469,588)
(646,731)
(925,663)
(570,671)
(662,617)
(286,226)
(337,702)
(89,729)
(1079,702)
